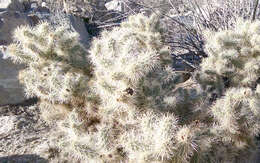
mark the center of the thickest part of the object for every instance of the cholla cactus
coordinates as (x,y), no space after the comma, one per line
(132,66)
(135,120)
(233,57)
(232,72)
(57,67)
(124,103)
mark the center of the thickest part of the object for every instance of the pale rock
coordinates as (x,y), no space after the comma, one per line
(44,4)
(7,123)
(34,5)
(4,3)
(115,5)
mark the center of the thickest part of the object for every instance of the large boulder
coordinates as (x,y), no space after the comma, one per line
(11,92)
(9,20)
(12,5)
(79,26)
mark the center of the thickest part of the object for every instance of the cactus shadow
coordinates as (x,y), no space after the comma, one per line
(27,158)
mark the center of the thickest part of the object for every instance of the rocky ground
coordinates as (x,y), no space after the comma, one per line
(22,131)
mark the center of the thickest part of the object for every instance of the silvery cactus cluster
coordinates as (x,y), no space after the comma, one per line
(121,101)
(57,69)
(231,73)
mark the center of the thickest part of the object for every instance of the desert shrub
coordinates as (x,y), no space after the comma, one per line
(122,102)
(191,18)
(187,19)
